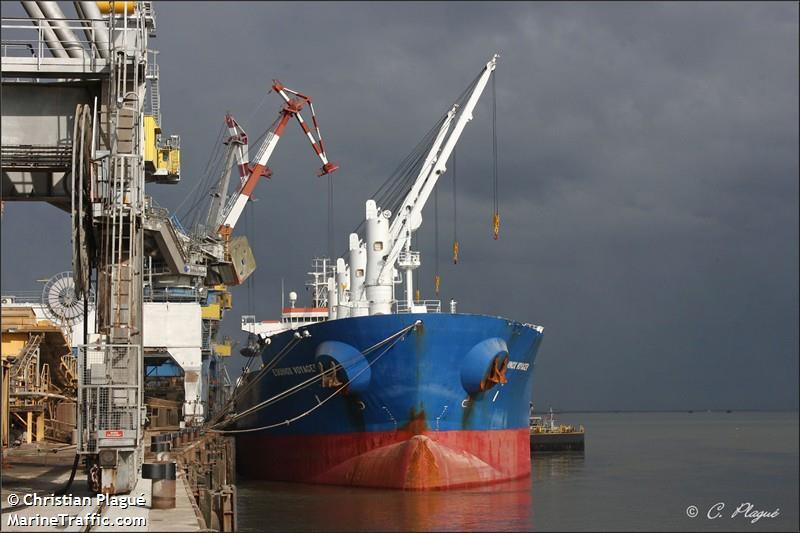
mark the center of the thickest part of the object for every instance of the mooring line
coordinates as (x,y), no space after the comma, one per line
(400,335)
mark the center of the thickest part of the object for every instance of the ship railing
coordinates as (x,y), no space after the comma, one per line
(153,210)
(24,37)
(409,259)
(157,270)
(22,297)
(429,306)
(170,294)
(25,50)
(249,324)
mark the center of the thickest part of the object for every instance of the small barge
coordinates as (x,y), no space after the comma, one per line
(546,436)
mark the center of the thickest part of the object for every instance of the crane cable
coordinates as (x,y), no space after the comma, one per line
(307,412)
(455,213)
(393,190)
(251,282)
(242,387)
(437,279)
(330,216)
(496,214)
(193,193)
(289,392)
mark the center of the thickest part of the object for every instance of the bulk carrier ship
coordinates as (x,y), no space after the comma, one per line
(366,389)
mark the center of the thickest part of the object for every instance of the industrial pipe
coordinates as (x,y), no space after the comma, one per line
(97,30)
(49,35)
(33,394)
(57,21)
(127,8)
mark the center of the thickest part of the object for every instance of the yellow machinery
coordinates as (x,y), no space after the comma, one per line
(39,377)
(118,7)
(224,348)
(218,301)
(162,160)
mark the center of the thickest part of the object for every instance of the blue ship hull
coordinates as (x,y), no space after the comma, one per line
(441,404)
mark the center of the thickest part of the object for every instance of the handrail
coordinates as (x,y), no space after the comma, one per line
(28,24)
(170,294)
(431,306)
(77,25)
(23,297)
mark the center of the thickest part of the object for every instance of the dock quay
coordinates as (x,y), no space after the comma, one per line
(204,497)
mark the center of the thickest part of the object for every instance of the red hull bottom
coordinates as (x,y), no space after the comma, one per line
(394,459)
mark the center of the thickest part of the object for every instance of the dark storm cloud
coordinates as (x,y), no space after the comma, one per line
(648,174)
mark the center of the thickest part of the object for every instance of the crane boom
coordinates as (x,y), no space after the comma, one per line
(412,217)
(237,147)
(238,138)
(424,172)
(291,108)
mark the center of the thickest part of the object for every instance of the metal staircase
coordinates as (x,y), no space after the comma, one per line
(69,368)
(155,96)
(149,17)
(27,353)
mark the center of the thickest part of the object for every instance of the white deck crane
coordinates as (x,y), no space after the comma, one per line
(291,108)
(386,243)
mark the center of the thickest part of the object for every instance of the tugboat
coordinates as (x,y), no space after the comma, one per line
(546,436)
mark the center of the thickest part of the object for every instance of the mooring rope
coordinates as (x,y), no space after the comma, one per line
(399,335)
(288,392)
(260,374)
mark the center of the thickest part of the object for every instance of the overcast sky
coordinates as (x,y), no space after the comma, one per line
(648,167)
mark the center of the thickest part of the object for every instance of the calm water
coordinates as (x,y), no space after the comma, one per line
(639,471)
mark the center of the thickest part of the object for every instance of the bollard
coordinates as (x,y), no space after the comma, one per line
(228,508)
(163,478)
(163,494)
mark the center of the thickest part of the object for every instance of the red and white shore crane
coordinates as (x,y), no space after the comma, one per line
(291,109)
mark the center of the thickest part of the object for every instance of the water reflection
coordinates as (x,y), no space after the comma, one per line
(293,507)
(632,462)
(550,466)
